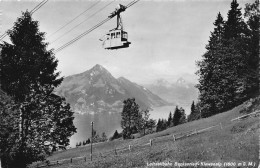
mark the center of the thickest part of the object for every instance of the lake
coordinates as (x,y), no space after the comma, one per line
(108,123)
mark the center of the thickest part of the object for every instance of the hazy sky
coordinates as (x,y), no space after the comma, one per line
(167,36)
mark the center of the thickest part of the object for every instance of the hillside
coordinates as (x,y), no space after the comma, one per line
(235,142)
(96,90)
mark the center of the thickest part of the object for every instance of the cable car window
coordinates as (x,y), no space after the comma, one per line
(125,35)
(112,35)
(117,34)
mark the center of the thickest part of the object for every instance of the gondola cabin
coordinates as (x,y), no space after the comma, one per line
(116,39)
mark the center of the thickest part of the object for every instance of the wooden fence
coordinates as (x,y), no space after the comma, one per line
(151,142)
(129,148)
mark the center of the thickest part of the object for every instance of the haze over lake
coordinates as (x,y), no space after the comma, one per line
(108,123)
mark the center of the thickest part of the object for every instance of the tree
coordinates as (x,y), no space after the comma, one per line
(104,137)
(130,117)
(159,125)
(179,116)
(151,124)
(170,123)
(210,70)
(195,112)
(28,75)
(252,14)
(183,116)
(143,120)
(176,116)
(9,127)
(88,141)
(116,135)
(235,26)
(227,77)
(95,137)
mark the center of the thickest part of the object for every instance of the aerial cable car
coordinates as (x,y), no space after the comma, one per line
(116,38)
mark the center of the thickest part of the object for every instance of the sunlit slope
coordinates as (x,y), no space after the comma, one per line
(237,141)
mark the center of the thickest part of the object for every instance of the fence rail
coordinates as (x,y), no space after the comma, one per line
(130,148)
(246,115)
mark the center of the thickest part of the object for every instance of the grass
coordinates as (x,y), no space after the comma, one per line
(238,141)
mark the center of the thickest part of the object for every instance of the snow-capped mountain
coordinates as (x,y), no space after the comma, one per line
(96,90)
(180,92)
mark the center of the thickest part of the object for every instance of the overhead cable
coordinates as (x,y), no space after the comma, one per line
(88,31)
(82,22)
(38,6)
(75,18)
(31,12)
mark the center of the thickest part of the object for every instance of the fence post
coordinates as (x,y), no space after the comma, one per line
(57,162)
(174,139)
(70,160)
(130,148)
(221,126)
(115,152)
(85,158)
(196,131)
(151,142)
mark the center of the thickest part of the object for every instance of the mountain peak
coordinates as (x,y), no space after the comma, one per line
(98,67)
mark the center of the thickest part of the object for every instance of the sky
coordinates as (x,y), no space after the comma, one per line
(167,36)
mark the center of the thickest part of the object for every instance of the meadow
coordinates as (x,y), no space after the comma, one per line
(233,143)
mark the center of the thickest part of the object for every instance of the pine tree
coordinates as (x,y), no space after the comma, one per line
(169,123)
(210,70)
(159,125)
(176,116)
(195,113)
(115,135)
(88,141)
(234,27)
(224,75)
(252,14)
(28,74)
(9,127)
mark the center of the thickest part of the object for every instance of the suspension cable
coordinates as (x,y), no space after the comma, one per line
(81,35)
(31,12)
(75,18)
(88,31)
(38,6)
(81,22)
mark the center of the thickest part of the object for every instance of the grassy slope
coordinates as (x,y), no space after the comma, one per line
(237,141)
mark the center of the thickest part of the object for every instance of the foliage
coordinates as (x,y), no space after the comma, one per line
(28,74)
(170,120)
(131,118)
(179,116)
(228,72)
(195,112)
(9,127)
(96,139)
(144,123)
(103,137)
(116,135)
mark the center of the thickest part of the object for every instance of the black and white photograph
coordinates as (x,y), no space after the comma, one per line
(129,84)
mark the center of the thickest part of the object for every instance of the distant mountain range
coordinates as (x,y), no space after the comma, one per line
(96,91)
(181,92)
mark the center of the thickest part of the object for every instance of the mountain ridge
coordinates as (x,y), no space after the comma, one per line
(96,90)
